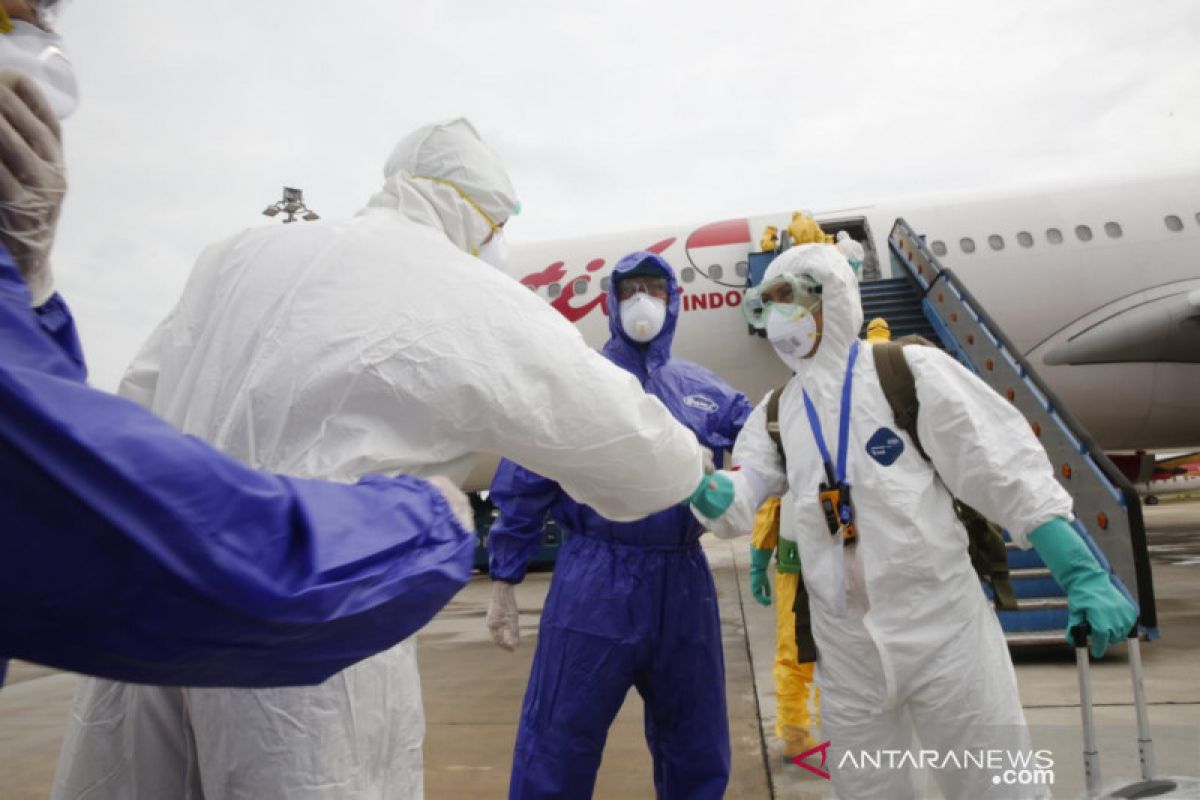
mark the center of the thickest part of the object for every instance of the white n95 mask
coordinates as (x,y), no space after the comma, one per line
(792,337)
(38,53)
(495,251)
(642,317)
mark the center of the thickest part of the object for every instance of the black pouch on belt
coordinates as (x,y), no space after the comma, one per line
(806,646)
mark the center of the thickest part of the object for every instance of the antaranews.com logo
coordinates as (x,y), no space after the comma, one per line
(1007,767)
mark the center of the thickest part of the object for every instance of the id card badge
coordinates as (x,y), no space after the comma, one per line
(839,513)
(830,498)
(846,516)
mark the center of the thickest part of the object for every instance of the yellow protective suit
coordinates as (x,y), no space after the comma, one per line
(770,239)
(803,229)
(794,724)
(878,330)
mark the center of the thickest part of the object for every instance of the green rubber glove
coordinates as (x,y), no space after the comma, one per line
(713,496)
(760,584)
(1091,594)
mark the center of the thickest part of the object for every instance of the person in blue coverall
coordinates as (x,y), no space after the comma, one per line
(133,552)
(632,603)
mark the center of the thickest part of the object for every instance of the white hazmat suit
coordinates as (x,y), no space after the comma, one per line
(337,349)
(902,627)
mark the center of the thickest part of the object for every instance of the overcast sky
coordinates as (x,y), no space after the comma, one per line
(610,115)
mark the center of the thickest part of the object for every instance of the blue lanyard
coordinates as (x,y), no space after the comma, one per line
(843,424)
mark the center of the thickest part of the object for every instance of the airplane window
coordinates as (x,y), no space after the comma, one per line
(1174,223)
(687,274)
(604,282)
(1083,233)
(741,268)
(554,290)
(1054,236)
(1113,229)
(967,244)
(580,286)
(996,242)
(939,248)
(1025,239)
(715,272)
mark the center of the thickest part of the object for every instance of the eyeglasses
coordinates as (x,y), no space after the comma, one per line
(791,295)
(655,287)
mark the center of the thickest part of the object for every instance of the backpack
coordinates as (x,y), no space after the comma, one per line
(986,546)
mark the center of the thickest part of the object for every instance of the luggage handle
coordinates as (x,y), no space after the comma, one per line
(1091,756)
(1148,786)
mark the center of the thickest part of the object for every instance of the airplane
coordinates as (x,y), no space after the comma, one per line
(1166,475)
(1097,284)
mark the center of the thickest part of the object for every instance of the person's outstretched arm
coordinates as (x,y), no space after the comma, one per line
(526,386)
(133,552)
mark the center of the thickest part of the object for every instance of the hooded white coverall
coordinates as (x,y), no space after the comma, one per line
(337,349)
(902,627)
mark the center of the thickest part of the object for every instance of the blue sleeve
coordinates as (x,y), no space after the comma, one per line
(523,499)
(133,552)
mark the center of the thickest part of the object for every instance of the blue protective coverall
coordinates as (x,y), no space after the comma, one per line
(631,604)
(133,552)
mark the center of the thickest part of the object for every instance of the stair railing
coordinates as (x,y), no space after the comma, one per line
(1108,512)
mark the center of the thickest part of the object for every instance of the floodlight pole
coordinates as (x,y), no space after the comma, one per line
(291,205)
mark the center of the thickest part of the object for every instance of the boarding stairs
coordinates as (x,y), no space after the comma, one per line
(898,301)
(924,297)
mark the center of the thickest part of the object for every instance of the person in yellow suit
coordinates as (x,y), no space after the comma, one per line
(803,229)
(794,723)
(878,330)
(770,239)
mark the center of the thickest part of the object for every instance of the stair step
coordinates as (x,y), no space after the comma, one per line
(1033,586)
(1023,559)
(1040,604)
(1035,638)
(898,305)
(925,333)
(891,289)
(899,320)
(1035,614)
(871,287)
(899,293)
(892,301)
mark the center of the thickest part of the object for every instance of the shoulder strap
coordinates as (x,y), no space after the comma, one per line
(773,420)
(896,378)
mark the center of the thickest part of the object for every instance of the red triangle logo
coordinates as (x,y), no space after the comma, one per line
(819,771)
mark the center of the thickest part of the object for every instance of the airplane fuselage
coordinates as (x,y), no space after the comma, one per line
(1098,286)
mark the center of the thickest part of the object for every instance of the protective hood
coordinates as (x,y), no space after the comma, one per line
(637,358)
(443,175)
(841,307)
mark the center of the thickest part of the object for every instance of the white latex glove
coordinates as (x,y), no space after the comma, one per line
(710,466)
(32,180)
(458,501)
(502,616)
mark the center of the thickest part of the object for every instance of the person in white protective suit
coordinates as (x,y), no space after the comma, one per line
(852,250)
(378,344)
(907,641)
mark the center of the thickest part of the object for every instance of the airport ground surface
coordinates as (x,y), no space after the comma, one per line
(473,692)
